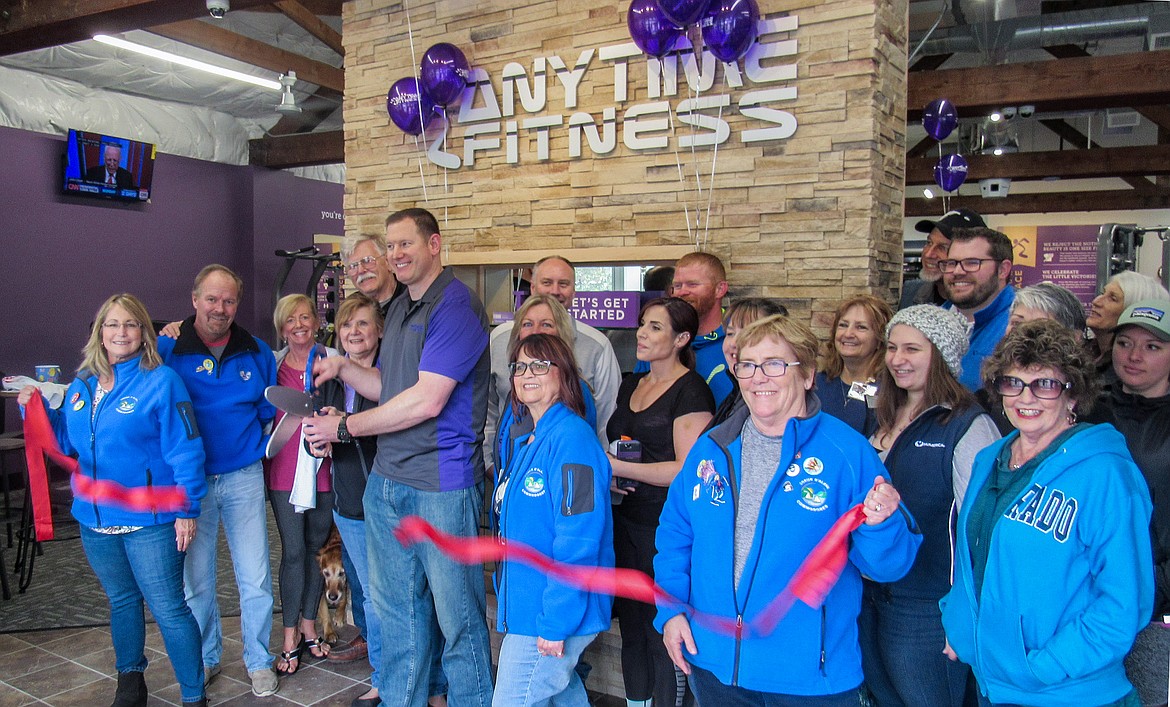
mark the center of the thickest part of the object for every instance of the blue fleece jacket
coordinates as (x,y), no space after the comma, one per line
(989,327)
(825,469)
(1069,579)
(228,394)
(553,495)
(144,434)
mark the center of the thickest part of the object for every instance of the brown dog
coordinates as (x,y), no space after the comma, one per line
(335,597)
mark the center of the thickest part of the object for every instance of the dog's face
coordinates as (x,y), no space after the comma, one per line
(329,559)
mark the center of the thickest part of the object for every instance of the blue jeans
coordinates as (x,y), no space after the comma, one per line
(710,691)
(414,587)
(353,539)
(357,594)
(145,565)
(237,499)
(527,678)
(902,641)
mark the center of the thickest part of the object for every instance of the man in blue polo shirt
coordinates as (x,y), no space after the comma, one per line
(975,276)
(432,390)
(226,370)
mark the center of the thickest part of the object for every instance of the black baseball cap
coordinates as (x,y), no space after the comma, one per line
(959,218)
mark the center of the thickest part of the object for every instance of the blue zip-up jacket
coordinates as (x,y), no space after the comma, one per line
(553,491)
(1069,579)
(144,434)
(825,469)
(989,327)
(228,395)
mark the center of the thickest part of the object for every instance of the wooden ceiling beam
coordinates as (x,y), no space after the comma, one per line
(1075,137)
(1146,160)
(254,52)
(1111,200)
(312,24)
(1120,80)
(931,62)
(35,24)
(299,150)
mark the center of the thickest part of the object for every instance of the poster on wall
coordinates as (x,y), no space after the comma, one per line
(1065,255)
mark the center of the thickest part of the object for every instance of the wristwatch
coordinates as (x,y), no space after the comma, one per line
(343,434)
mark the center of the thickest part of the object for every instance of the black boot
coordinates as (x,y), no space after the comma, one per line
(131,690)
(202,702)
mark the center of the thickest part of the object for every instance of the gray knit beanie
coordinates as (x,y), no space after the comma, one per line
(945,328)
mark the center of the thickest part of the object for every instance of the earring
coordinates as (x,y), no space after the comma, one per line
(1072,416)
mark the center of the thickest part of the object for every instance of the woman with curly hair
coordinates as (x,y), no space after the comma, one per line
(1053,570)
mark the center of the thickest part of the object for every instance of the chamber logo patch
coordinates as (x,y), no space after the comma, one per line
(814,495)
(533,483)
(127,404)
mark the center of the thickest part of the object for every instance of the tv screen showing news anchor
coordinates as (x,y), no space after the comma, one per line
(103,165)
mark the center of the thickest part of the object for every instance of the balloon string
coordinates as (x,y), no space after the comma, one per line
(421,177)
(694,92)
(418,102)
(711,185)
(681,175)
(446,186)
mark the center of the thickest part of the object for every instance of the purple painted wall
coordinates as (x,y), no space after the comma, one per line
(63,256)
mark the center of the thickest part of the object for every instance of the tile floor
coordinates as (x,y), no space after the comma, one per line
(75,668)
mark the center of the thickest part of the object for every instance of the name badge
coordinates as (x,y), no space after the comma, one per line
(861,391)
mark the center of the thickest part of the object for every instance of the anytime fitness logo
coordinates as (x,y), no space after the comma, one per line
(488,124)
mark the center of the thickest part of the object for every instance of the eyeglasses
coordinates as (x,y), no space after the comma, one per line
(1043,388)
(965,265)
(117,326)
(367,261)
(772,368)
(538,368)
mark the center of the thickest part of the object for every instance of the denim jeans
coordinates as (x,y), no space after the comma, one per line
(710,691)
(902,641)
(357,594)
(237,499)
(145,565)
(353,538)
(526,678)
(414,587)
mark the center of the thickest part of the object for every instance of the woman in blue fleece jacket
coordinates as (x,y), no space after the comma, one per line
(552,494)
(754,497)
(128,419)
(1053,571)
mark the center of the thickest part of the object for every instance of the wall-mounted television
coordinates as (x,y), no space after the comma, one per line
(108,167)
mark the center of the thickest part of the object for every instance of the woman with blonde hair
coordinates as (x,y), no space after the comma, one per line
(129,420)
(303,530)
(846,384)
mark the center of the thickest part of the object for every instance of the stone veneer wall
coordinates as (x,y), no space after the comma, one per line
(810,219)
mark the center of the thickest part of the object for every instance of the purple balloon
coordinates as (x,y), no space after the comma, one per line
(650,29)
(940,118)
(730,28)
(684,12)
(950,172)
(409,106)
(443,73)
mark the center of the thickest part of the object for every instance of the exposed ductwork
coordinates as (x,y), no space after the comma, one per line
(1079,27)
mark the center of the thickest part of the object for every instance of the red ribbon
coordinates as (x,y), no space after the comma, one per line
(39,442)
(811,584)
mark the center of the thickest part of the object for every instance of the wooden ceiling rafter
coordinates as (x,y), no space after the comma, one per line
(236,46)
(1056,202)
(312,24)
(300,150)
(48,23)
(1070,164)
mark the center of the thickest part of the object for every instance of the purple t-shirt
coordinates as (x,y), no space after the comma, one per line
(444,332)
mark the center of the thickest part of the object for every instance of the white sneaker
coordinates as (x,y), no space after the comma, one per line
(209,674)
(264,682)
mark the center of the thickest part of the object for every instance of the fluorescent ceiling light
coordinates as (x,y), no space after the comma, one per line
(185,61)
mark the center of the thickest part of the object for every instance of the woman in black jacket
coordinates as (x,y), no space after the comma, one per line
(1140,409)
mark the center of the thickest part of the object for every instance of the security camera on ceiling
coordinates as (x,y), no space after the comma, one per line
(218,8)
(1009,112)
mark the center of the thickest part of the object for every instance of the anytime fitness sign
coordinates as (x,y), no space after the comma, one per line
(488,125)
